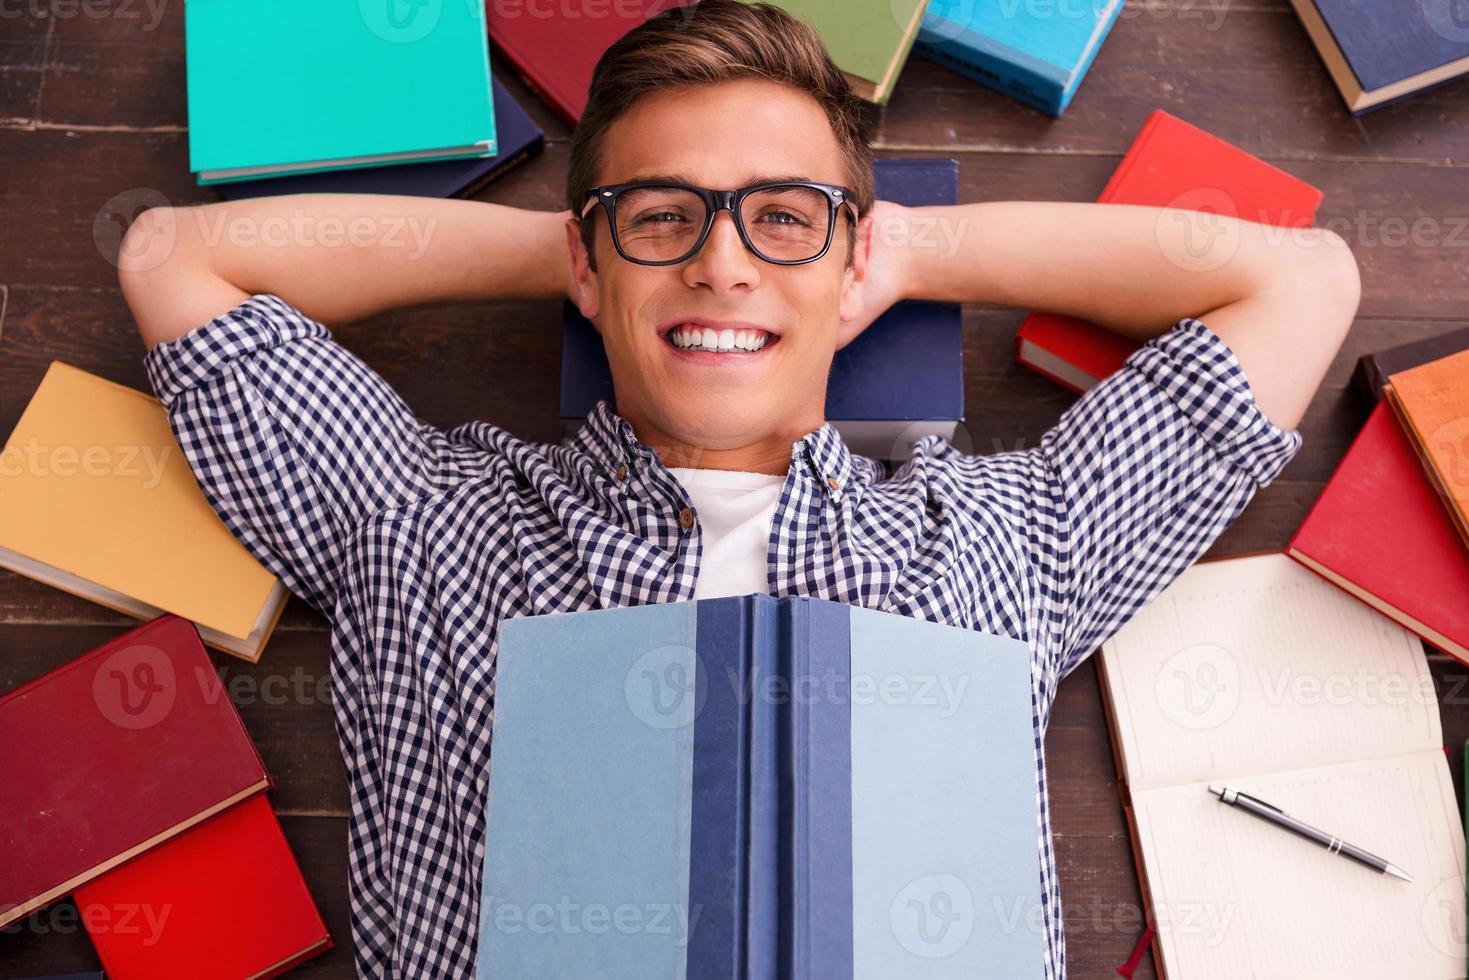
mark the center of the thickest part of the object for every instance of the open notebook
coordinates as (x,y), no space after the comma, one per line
(1255,673)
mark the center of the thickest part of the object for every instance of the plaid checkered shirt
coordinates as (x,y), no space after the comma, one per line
(416,542)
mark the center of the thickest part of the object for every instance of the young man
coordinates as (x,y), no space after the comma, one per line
(717,473)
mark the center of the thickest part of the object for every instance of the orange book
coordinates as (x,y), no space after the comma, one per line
(1432,403)
(97,499)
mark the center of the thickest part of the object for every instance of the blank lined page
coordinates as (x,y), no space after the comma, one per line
(1235,896)
(1256,665)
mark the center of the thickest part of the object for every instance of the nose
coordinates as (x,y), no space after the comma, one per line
(723,264)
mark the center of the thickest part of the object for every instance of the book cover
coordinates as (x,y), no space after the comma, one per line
(899,380)
(1170,164)
(227,893)
(518,139)
(1373,369)
(333,84)
(868,39)
(1382,52)
(555,47)
(1379,531)
(1431,402)
(142,717)
(1036,54)
(97,499)
(795,787)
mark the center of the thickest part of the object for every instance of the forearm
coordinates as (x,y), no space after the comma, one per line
(336,257)
(1283,299)
(1134,270)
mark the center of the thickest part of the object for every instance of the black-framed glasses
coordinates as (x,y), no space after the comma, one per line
(659,223)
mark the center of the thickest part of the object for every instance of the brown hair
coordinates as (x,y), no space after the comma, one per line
(718,41)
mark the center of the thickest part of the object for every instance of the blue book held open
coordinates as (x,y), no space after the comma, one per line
(751,787)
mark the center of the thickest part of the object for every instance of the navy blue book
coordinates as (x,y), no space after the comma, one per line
(752,788)
(901,379)
(517,136)
(1381,51)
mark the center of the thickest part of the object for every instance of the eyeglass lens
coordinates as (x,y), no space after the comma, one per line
(785,223)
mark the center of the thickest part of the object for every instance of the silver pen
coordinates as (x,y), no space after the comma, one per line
(1277,816)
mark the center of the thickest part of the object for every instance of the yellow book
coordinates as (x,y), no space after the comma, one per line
(97,499)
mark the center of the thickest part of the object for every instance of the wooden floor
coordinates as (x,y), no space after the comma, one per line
(93,126)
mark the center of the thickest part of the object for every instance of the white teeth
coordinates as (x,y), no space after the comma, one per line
(727,339)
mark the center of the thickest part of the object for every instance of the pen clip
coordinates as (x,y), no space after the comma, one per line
(1268,806)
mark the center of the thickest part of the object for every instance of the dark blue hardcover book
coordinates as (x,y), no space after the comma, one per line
(518,137)
(1382,51)
(901,379)
(752,788)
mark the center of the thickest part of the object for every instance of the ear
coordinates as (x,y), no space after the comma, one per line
(854,281)
(583,284)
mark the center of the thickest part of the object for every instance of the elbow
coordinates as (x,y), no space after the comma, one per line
(148,248)
(1335,276)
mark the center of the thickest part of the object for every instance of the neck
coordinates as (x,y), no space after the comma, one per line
(771,455)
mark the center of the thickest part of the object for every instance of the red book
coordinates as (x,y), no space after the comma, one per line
(555,47)
(1169,165)
(111,754)
(224,901)
(1379,531)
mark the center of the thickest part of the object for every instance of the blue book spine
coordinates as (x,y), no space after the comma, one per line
(1001,68)
(1044,83)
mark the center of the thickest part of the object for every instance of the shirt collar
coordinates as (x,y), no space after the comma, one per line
(820,454)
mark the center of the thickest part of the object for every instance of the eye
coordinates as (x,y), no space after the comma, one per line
(791,218)
(659,218)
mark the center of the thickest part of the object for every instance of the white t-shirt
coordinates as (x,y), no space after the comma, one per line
(734,510)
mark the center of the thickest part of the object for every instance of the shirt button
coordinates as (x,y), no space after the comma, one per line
(621,473)
(832,482)
(686,518)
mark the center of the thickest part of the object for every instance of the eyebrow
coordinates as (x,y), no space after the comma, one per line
(753,179)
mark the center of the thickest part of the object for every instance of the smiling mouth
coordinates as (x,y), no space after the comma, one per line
(747,340)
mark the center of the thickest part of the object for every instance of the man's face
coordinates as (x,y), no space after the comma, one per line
(720,136)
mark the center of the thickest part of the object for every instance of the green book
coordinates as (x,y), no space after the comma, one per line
(295,86)
(868,39)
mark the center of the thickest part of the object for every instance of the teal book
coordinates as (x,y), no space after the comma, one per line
(752,788)
(281,87)
(1037,54)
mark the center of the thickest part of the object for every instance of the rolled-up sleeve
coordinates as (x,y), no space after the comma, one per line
(1135,482)
(292,438)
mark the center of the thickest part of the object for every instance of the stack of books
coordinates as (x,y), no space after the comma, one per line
(1392,525)
(201,872)
(333,100)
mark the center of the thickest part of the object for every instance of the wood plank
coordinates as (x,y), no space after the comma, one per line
(1248,74)
(22,59)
